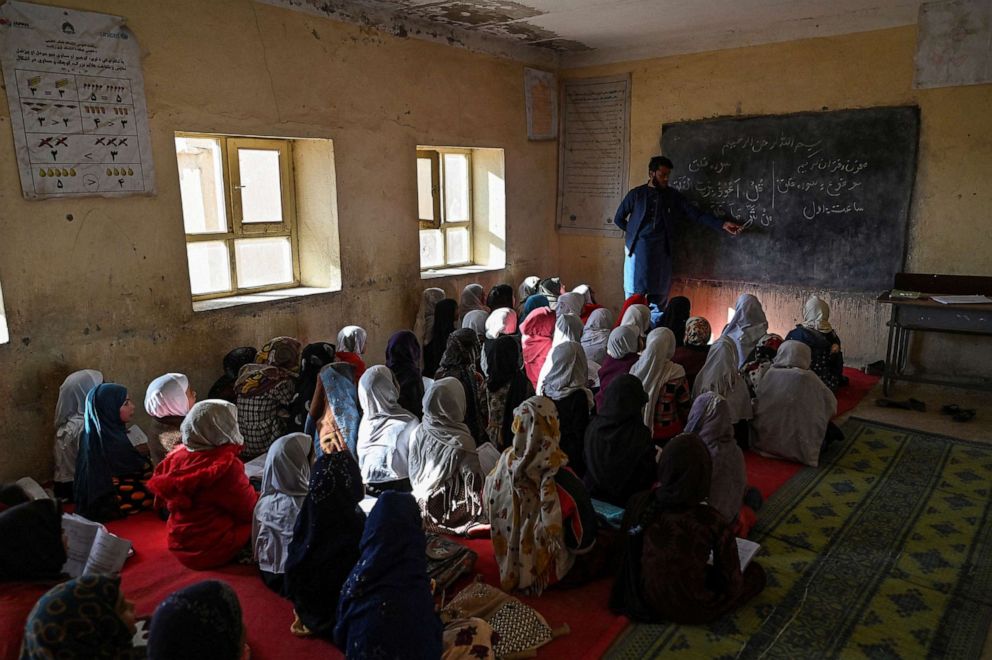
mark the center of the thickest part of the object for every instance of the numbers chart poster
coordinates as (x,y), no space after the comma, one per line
(77,103)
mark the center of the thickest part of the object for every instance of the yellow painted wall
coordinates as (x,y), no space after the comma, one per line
(950,226)
(110,289)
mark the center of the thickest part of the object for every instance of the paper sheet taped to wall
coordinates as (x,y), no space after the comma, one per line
(593,153)
(77,103)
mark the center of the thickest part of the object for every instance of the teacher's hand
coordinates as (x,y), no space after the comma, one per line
(732,228)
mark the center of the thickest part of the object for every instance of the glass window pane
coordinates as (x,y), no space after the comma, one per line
(456,202)
(431,248)
(425,197)
(201,185)
(264,261)
(457,242)
(261,192)
(209,267)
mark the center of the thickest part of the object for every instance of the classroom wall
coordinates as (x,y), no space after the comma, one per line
(949,230)
(109,289)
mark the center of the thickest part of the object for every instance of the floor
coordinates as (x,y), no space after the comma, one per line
(978,429)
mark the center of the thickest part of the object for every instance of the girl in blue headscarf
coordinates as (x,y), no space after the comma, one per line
(110,473)
(386,608)
(533,302)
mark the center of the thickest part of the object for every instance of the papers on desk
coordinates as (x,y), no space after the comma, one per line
(962,300)
(746,550)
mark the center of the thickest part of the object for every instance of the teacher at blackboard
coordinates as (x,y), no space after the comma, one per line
(647,215)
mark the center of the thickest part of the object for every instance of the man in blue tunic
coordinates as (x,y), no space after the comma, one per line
(647,215)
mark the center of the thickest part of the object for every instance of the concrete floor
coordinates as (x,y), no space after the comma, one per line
(978,429)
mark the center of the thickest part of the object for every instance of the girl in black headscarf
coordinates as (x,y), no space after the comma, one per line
(201,622)
(313,359)
(403,359)
(325,541)
(223,388)
(669,536)
(32,541)
(461,361)
(500,295)
(506,388)
(620,456)
(676,314)
(444,324)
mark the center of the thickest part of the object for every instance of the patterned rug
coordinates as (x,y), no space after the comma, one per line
(884,551)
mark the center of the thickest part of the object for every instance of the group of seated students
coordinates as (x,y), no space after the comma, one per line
(578,404)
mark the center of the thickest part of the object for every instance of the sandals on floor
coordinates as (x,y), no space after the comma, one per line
(909,404)
(957,413)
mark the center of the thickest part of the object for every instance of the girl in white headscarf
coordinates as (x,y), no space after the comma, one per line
(423,327)
(816,332)
(568,327)
(638,316)
(792,408)
(746,327)
(570,303)
(473,297)
(445,474)
(526,289)
(69,425)
(384,433)
(720,374)
(167,400)
(665,384)
(284,486)
(596,334)
(621,354)
(566,385)
(502,321)
(351,346)
(585,291)
(476,320)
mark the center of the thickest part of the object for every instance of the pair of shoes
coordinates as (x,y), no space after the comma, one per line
(909,404)
(876,368)
(957,413)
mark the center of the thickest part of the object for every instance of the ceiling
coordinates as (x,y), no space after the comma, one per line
(598,31)
(572,33)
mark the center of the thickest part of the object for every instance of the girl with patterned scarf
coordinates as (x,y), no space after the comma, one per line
(265,390)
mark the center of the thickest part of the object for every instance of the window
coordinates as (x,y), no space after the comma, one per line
(444,195)
(238,199)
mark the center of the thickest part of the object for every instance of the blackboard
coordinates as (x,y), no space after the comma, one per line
(825,196)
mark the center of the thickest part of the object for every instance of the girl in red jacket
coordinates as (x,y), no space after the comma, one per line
(205,488)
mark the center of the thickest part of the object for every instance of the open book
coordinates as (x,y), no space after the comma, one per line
(746,550)
(256,467)
(488,457)
(90,548)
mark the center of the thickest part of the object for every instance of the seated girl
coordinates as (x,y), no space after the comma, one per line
(500,297)
(472,299)
(167,401)
(666,386)
(69,426)
(325,543)
(538,331)
(460,361)
(551,288)
(527,288)
(693,351)
(676,316)
(506,388)
(444,464)
(710,420)
(541,515)
(746,327)
(621,354)
(670,534)
(721,374)
(596,334)
(567,387)
(351,347)
(32,541)
(423,326)
(403,359)
(638,316)
(203,484)
(636,299)
(620,455)
(533,302)
(284,485)
(110,473)
(793,408)
(445,313)
(502,322)
(223,387)
(265,390)
(200,622)
(314,357)
(384,433)
(334,415)
(87,617)
(827,359)
(589,304)
(386,608)
(570,303)
(760,360)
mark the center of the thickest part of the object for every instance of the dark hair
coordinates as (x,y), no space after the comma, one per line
(659,161)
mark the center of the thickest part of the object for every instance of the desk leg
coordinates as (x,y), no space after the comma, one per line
(890,353)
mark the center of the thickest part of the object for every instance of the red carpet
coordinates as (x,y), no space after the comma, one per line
(153,573)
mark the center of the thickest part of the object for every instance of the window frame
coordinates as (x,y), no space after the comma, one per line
(238,230)
(438,174)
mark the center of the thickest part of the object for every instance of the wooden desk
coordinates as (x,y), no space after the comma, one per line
(925,315)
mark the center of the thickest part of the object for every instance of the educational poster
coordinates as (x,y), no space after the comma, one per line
(77,103)
(541,94)
(594,154)
(955,43)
